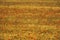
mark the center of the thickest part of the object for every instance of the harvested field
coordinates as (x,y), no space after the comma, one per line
(24,22)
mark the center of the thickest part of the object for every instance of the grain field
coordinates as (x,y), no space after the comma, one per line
(29,21)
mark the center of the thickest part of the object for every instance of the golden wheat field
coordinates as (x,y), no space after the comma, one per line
(29,21)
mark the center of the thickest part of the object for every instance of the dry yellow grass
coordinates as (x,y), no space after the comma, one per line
(29,23)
